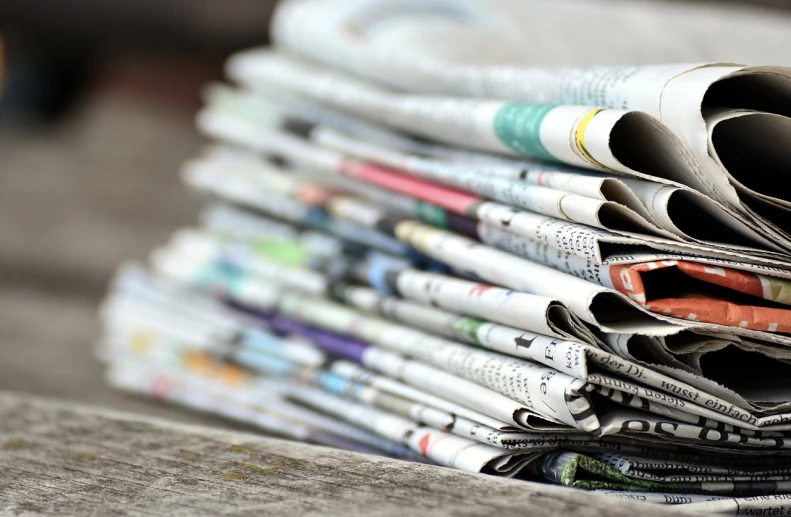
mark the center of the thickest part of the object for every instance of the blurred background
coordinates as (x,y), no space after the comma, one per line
(96,114)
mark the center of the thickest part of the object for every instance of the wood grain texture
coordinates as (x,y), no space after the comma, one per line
(59,459)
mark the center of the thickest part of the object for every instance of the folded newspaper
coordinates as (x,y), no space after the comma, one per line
(579,276)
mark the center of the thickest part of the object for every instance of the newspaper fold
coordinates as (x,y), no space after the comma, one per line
(399,53)
(550,229)
(680,210)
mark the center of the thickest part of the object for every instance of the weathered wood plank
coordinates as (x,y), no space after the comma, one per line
(57,458)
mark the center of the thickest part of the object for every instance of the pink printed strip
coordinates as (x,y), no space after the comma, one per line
(448,198)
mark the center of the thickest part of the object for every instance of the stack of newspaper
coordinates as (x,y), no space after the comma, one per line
(576,275)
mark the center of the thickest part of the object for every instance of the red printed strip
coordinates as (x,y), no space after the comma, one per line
(628,280)
(448,198)
(711,310)
(766,287)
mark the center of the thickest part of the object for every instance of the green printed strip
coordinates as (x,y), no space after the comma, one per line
(282,251)
(604,476)
(467,329)
(518,126)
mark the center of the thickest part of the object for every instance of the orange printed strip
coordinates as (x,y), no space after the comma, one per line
(711,310)
(205,365)
(709,294)
(766,287)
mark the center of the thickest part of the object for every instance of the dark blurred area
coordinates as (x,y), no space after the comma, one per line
(56,50)
(96,116)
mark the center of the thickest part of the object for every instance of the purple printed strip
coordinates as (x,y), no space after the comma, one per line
(334,344)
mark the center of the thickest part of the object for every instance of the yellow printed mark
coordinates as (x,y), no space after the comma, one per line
(232,475)
(140,342)
(84,456)
(13,444)
(579,135)
(239,448)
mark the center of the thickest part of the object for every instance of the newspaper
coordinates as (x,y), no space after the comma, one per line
(582,136)
(588,241)
(163,345)
(254,337)
(521,275)
(503,339)
(750,321)
(584,471)
(695,301)
(758,505)
(245,191)
(168,364)
(539,442)
(268,297)
(157,351)
(702,409)
(659,497)
(578,360)
(580,276)
(428,116)
(536,198)
(676,94)
(253,348)
(575,302)
(490,303)
(453,326)
(470,394)
(442,253)
(504,180)
(746,347)
(441,447)
(285,259)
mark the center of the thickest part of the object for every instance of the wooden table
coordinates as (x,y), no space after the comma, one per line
(62,459)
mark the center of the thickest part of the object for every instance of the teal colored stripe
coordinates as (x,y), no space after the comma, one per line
(262,341)
(333,383)
(265,364)
(431,214)
(222,276)
(338,385)
(518,126)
